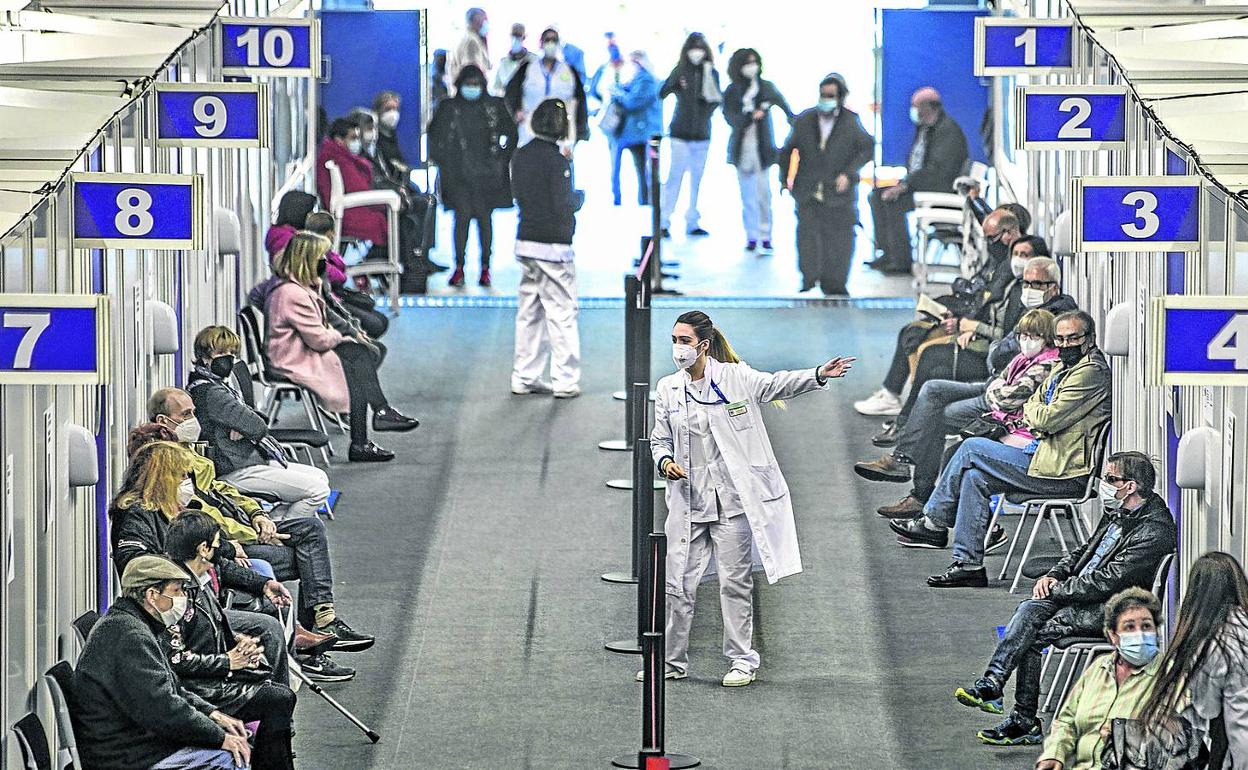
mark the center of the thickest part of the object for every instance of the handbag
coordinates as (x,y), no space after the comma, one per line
(984,426)
(612,119)
(1130,747)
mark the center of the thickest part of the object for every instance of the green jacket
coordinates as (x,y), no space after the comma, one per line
(1067,426)
(226,505)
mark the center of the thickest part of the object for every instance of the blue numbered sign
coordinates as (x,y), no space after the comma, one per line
(1023,46)
(255,46)
(1147,213)
(53,339)
(1202,340)
(212,115)
(137,211)
(1071,118)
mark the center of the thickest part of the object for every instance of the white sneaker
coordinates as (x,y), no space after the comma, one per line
(571,392)
(737,678)
(537,388)
(672,673)
(881,404)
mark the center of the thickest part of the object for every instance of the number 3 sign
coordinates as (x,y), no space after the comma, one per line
(137,211)
(1144,213)
(212,114)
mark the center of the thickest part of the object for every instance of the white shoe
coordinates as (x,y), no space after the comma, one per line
(571,392)
(881,404)
(672,673)
(737,678)
(537,388)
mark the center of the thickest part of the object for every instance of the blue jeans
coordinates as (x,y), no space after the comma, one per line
(303,557)
(272,638)
(198,759)
(638,151)
(980,469)
(943,406)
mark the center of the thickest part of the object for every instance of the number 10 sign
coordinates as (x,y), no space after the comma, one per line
(1141,213)
(137,211)
(1199,340)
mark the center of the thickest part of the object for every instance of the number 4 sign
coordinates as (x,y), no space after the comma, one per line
(1200,340)
(137,211)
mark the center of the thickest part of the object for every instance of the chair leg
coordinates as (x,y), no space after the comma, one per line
(325,457)
(1057,674)
(996,514)
(1018,533)
(1031,539)
(1070,677)
(1057,530)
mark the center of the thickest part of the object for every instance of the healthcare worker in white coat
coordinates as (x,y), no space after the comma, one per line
(725,492)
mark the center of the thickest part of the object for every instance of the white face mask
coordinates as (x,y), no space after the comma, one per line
(354,146)
(186,493)
(389,118)
(550,50)
(370,137)
(750,70)
(175,613)
(914,115)
(1032,298)
(696,56)
(1017,266)
(1030,345)
(684,355)
(188,431)
(1109,496)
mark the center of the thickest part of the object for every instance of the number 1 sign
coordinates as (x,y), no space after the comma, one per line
(1142,213)
(1200,340)
(53,339)
(1023,46)
(212,114)
(137,211)
(1071,118)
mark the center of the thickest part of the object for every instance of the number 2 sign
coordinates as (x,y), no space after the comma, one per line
(1007,46)
(212,114)
(1071,118)
(252,46)
(137,211)
(53,339)
(1200,340)
(1146,213)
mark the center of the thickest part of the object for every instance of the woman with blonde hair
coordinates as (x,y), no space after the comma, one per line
(341,371)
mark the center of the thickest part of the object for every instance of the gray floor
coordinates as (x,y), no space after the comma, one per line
(475,558)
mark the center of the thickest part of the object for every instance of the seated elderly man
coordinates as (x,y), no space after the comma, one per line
(1135,534)
(130,711)
(1064,417)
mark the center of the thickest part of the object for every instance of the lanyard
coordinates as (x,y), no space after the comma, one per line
(718,392)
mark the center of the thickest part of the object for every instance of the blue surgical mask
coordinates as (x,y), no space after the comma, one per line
(828,106)
(914,115)
(1138,647)
(471,93)
(354,146)
(485,29)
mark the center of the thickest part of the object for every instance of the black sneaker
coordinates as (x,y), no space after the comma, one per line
(391,419)
(1013,733)
(912,534)
(348,640)
(319,668)
(958,576)
(368,453)
(886,437)
(698,232)
(984,695)
(997,538)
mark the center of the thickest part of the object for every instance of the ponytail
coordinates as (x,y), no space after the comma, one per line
(721,350)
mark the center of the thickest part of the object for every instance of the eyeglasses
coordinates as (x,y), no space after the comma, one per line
(1037,284)
(1115,479)
(1071,339)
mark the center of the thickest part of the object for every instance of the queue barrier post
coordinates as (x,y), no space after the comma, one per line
(632,290)
(643,516)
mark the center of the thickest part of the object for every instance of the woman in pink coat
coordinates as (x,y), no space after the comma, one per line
(341,371)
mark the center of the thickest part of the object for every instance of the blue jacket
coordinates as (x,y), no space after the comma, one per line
(643,112)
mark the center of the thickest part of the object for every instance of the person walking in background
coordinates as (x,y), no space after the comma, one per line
(511,61)
(829,146)
(641,117)
(695,84)
(546,306)
(609,75)
(549,77)
(471,138)
(473,48)
(751,146)
(437,78)
(937,155)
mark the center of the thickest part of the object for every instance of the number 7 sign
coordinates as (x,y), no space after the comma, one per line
(54,339)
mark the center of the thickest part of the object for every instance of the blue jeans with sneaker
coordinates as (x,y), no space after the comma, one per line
(980,469)
(943,406)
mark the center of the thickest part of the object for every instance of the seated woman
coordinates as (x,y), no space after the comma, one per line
(340,370)
(1112,686)
(227,670)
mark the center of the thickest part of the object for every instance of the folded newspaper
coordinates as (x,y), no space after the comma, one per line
(929,306)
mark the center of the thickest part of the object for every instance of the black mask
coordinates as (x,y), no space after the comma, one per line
(998,249)
(1071,355)
(321,267)
(222,366)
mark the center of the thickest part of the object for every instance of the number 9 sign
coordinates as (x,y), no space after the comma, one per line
(252,46)
(212,114)
(54,339)
(137,211)
(1149,213)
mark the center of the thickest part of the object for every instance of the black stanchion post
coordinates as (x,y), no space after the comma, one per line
(632,287)
(643,505)
(655,269)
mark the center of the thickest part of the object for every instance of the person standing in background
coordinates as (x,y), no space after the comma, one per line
(473,48)
(829,147)
(641,117)
(610,75)
(511,60)
(549,77)
(752,147)
(437,78)
(695,83)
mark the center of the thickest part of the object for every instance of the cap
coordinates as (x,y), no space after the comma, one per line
(148,569)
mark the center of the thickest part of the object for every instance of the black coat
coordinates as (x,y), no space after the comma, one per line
(848,149)
(129,709)
(1003,350)
(472,143)
(388,160)
(943,159)
(692,119)
(542,182)
(768,96)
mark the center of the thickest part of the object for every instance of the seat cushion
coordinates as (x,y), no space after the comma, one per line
(1067,642)
(313,438)
(1024,497)
(1039,566)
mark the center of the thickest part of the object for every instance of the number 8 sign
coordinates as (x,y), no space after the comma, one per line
(137,211)
(1147,213)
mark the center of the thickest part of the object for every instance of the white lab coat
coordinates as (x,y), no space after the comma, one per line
(743,442)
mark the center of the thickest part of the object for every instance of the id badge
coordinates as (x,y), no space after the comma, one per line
(738,409)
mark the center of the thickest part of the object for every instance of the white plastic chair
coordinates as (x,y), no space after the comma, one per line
(341,201)
(935,211)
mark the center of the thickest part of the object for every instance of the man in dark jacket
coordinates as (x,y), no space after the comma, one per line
(936,157)
(695,83)
(129,709)
(831,147)
(1135,534)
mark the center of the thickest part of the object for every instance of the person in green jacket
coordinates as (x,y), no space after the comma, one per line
(1064,416)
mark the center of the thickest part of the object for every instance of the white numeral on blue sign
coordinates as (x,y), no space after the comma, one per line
(1027,41)
(134,204)
(1145,204)
(1221,347)
(35,325)
(278,44)
(1074,128)
(210,114)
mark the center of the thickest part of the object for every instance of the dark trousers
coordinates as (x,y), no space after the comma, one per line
(909,338)
(363,309)
(944,362)
(304,556)
(271,634)
(892,234)
(825,244)
(464,217)
(943,407)
(273,705)
(359,363)
(638,151)
(1036,624)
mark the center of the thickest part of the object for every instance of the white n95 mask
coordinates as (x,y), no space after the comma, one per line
(684,355)
(188,431)
(1032,298)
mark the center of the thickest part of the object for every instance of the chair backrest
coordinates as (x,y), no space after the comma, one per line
(244,383)
(250,325)
(336,188)
(1161,578)
(229,231)
(1099,447)
(84,623)
(32,739)
(59,681)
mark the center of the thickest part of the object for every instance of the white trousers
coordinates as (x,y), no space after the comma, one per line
(687,158)
(755,204)
(546,331)
(302,489)
(730,541)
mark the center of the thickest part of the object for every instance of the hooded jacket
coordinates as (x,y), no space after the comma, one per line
(692,120)
(472,143)
(768,96)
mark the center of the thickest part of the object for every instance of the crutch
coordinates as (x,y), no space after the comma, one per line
(297,671)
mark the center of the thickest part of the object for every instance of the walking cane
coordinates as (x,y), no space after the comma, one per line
(297,670)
